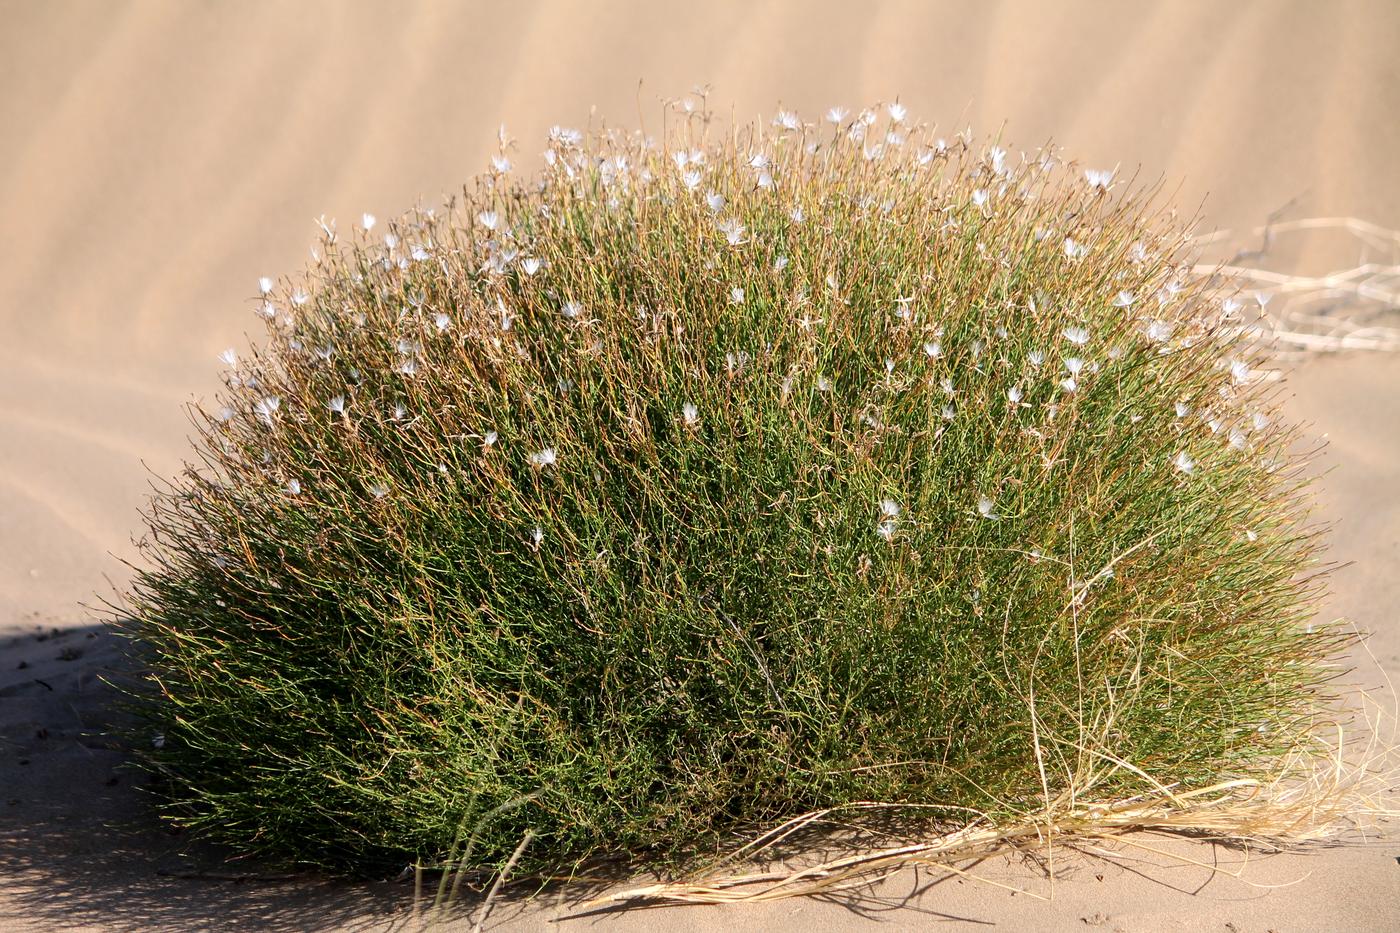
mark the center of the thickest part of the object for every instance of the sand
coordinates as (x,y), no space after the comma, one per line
(158,157)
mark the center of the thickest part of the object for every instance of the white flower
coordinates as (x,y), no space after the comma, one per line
(836,114)
(536,536)
(765,179)
(897,112)
(1036,357)
(390,241)
(1124,300)
(797,215)
(823,384)
(489,219)
(419,254)
(1230,307)
(1074,364)
(984,508)
(1239,371)
(367,221)
(293,487)
(1182,409)
(1069,384)
(885,529)
(1013,395)
(758,161)
(408,366)
(1077,335)
(488,440)
(565,136)
(378,490)
(1137,254)
(543,458)
(337,405)
(691,180)
(979,196)
(736,296)
(1237,439)
(1184,463)
(300,297)
(501,164)
(229,357)
(400,412)
(690,414)
(1098,179)
(889,509)
(1259,420)
(506,317)
(733,230)
(1159,331)
(780,264)
(998,155)
(530,266)
(715,201)
(933,350)
(265,285)
(1074,250)
(572,309)
(266,408)
(787,120)
(949,412)
(442,321)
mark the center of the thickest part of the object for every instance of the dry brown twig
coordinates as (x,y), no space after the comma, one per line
(1339,310)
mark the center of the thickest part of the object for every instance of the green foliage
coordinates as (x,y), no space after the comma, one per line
(978,494)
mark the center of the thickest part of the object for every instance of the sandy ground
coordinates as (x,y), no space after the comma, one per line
(156,158)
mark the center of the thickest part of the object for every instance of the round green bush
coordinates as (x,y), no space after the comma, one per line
(700,482)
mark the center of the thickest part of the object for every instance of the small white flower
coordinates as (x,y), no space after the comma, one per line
(823,384)
(489,219)
(897,112)
(946,384)
(933,350)
(1075,250)
(1124,300)
(836,114)
(979,196)
(543,458)
(530,266)
(229,357)
(787,120)
(408,366)
(984,508)
(691,180)
(390,241)
(889,509)
(536,536)
(293,487)
(572,309)
(889,366)
(780,264)
(1230,307)
(419,254)
(378,490)
(1259,420)
(1137,254)
(300,297)
(797,215)
(500,164)
(337,405)
(1239,371)
(1252,536)
(1182,409)
(733,230)
(949,412)
(715,200)
(1069,384)
(885,529)
(1184,463)
(690,414)
(265,285)
(1074,364)
(367,221)
(1013,395)
(1077,335)
(1098,179)
(1237,439)
(1036,357)
(266,408)
(488,440)
(736,296)
(400,412)
(1159,331)
(225,414)
(441,321)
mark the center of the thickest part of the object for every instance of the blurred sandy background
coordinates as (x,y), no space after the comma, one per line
(156,158)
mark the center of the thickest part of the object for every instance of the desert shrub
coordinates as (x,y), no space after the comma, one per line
(703,481)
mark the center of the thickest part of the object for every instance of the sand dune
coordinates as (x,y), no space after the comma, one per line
(159,157)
